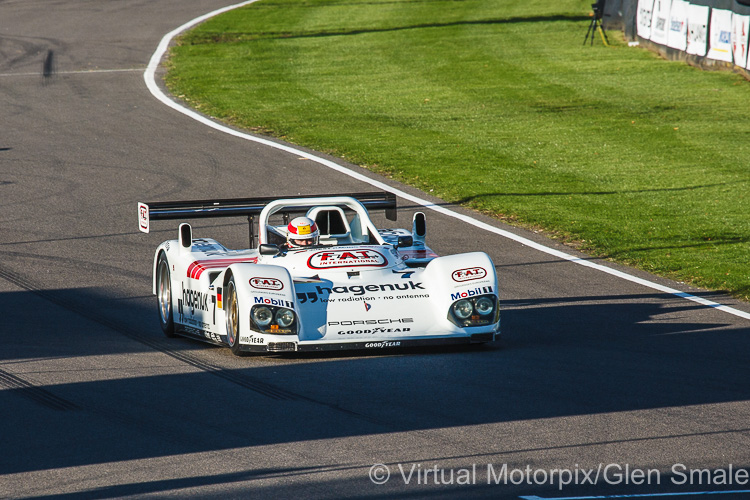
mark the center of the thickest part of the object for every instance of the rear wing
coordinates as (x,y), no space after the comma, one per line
(247,207)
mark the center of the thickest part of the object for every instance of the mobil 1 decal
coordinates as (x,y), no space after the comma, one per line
(356,257)
(269,301)
(480,290)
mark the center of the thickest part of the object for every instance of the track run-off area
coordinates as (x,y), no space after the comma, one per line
(609,382)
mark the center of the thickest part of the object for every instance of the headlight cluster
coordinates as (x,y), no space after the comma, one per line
(474,311)
(270,319)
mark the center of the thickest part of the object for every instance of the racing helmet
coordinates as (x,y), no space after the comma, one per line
(302,232)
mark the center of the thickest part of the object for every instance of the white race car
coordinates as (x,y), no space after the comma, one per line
(358,288)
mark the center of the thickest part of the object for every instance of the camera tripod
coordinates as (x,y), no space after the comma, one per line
(596,23)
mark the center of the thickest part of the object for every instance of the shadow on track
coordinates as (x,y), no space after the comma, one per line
(561,357)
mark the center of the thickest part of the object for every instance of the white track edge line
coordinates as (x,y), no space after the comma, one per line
(150,78)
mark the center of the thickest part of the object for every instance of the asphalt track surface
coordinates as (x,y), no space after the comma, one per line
(594,371)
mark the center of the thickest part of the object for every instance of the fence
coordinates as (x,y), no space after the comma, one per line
(705,33)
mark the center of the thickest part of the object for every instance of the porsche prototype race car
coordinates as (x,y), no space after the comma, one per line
(358,288)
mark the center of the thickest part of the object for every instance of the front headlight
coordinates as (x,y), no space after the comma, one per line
(463,309)
(284,317)
(262,316)
(272,319)
(475,311)
(485,306)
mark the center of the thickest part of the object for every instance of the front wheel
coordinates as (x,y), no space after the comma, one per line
(233,317)
(164,296)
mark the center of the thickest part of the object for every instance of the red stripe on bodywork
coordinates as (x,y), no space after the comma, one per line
(195,269)
(418,254)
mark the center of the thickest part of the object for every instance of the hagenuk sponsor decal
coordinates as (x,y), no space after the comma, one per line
(274,302)
(195,300)
(266,283)
(483,290)
(313,297)
(331,259)
(192,301)
(468,274)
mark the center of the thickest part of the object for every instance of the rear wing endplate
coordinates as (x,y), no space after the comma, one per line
(249,207)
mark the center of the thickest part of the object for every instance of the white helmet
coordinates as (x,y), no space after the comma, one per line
(302,232)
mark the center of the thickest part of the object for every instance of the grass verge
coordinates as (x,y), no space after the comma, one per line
(498,106)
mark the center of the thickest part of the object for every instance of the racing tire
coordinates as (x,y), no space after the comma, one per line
(233,317)
(164,296)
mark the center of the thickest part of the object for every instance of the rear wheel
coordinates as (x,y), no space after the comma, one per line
(233,317)
(164,296)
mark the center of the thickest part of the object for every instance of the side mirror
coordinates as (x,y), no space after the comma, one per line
(405,241)
(269,249)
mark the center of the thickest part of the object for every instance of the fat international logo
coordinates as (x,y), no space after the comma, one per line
(331,259)
(468,274)
(266,283)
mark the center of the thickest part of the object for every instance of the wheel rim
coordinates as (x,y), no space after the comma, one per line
(232,316)
(164,292)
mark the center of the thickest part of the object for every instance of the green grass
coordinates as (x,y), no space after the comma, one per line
(498,106)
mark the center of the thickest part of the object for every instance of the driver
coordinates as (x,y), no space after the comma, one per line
(302,232)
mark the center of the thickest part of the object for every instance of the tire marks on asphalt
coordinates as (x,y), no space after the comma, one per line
(35,393)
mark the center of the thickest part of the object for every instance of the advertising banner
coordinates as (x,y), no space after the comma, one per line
(660,21)
(739,39)
(645,9)
(678,25)
(697,37)
(720,39)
